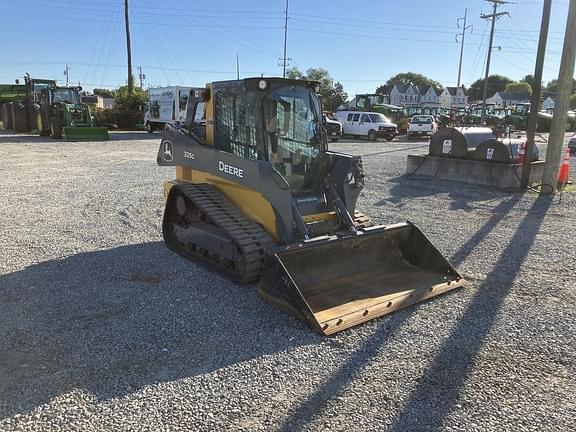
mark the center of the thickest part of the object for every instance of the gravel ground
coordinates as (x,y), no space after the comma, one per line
(104,329)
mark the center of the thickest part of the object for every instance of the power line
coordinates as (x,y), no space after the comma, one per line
(477,56)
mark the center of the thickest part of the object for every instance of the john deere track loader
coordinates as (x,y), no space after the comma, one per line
(258,196)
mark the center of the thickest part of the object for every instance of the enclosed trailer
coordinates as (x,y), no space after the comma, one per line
(166,105)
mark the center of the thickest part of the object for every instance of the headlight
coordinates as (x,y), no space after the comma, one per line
(262,84)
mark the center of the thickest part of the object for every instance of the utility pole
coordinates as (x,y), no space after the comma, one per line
(464,28)
(141,76)
(66,72)
(127,20)
(285,38)
(536,91)
(237,68)
(558,126)
(493,16)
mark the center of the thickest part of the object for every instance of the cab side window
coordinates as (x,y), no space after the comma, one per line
(235,124)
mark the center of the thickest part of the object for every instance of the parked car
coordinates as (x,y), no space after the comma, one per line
(333,128)
(372,125)
(572,144)
(422,125)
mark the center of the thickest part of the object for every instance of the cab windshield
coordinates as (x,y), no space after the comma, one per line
(68,96)
(293,125)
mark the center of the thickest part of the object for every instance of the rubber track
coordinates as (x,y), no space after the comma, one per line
(250,238)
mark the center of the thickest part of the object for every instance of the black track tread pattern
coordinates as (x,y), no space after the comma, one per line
(250,238)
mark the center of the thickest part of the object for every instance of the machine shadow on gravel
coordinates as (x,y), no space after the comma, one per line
(437,393)
(410,187)
(113,321)
(314,405)
(498,213)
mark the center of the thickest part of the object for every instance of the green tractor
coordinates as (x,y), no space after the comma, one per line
(518,118)
(59,112)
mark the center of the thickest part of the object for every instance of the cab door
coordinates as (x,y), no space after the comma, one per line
(364,125)
(352,122)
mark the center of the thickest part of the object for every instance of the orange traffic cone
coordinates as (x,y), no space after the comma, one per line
(564,170)
(521,154)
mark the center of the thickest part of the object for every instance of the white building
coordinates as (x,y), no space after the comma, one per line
(504,99)
(105,102)
(452,97)
(405,95)
(429,96)
(548,103)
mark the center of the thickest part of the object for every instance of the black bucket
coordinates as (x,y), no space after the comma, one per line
(337,283)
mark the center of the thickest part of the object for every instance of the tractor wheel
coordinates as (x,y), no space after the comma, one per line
(372,135)
(32,116)
(7,123)
(43,129)
(56,128)
(20,118)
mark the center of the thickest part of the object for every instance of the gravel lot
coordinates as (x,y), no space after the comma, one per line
(104,329)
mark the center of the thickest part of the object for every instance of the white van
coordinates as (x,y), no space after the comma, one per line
(369,124)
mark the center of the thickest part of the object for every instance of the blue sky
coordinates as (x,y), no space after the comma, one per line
(361,44)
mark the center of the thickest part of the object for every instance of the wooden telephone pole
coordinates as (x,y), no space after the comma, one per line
(557,128)
(284,59)
(493,16)
(464,28)
(127,20)
(536,91)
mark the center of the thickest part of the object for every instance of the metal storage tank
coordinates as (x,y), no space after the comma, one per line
(503,150)
(458,142)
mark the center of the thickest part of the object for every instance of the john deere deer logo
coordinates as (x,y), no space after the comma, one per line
(168,153)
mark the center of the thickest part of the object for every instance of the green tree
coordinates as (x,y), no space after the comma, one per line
(573,102)
(103,92)
(552,87)
(528,79)
(520,87)
(496,83)
(406,78)
(294,73)
(130,102)
(332,93)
